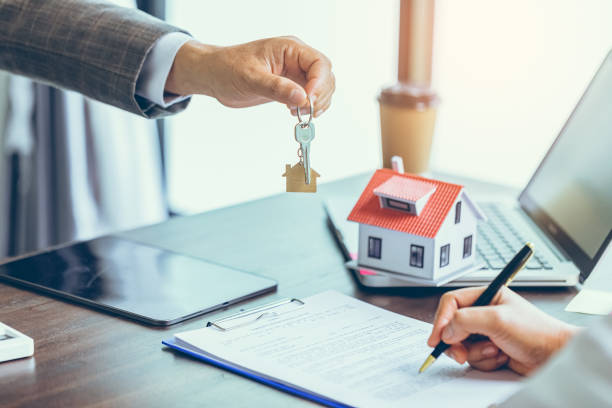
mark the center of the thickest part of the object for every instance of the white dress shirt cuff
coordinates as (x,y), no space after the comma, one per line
(156,67)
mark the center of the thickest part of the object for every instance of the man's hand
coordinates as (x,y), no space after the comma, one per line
(276,69)
(519,334)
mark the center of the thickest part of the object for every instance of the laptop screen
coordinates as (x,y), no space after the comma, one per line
(570,195)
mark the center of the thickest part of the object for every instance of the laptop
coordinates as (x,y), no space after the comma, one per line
(565,209)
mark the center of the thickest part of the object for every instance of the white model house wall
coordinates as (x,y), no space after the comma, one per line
(454,234)
(395,251)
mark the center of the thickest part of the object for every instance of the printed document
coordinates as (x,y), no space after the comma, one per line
(352,352)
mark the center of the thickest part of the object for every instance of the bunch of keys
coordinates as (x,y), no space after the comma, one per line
(301,178)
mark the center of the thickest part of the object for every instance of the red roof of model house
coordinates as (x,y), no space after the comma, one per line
(368,209)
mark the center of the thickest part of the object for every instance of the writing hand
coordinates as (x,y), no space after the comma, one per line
(520,335)
(282,69)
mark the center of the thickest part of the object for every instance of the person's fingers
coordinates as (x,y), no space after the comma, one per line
(519,367)
(485,320)
(482,350)
(324,100)
(305,107)
(305,66)
(318,69)
(490,364)
(277,88)
(457,352)
(319,106)
(449,304)
(324,90)
(322,105)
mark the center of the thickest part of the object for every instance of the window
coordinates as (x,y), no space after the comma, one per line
(444,255)
(416,255)
(374,247)
(458,212)
(467,246)
(400,205)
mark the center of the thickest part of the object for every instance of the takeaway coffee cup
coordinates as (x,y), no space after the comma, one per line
(407,119)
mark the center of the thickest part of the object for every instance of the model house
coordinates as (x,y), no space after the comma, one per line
(416,227)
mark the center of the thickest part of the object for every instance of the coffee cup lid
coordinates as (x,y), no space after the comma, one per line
(409,95)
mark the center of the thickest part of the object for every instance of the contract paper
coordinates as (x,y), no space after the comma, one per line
(351,352)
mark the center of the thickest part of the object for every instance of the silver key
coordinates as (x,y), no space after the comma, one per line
(304,133)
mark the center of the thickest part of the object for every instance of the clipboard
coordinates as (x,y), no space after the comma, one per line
(249,316)
(339,351)
(241,319)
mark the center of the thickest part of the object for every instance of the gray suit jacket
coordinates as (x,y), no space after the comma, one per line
(88,46)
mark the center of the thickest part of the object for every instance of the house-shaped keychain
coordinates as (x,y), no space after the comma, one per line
(414,228)
(296,181)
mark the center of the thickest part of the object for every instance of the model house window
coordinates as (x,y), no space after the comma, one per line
(374,247)
(416,255)
(444,255)
(467,246)
(399,205)
(458,212)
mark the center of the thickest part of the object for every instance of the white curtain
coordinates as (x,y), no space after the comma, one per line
(72,168)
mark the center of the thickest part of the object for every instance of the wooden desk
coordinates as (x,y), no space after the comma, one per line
(84,357)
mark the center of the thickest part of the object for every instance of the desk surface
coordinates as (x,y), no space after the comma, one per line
(84,357)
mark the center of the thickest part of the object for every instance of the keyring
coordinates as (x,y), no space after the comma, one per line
(302,123)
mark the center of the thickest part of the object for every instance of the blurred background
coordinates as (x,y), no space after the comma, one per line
(508,74)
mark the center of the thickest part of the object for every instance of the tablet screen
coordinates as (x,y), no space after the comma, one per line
(136,280)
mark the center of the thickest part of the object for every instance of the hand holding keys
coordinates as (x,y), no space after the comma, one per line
(304,134)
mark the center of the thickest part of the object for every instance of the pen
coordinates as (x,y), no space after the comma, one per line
(503,279)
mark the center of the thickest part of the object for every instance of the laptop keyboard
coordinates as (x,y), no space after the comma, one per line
(499,240)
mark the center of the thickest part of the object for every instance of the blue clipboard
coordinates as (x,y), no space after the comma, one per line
(254,315)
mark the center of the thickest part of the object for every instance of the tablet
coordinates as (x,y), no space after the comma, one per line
(134,280)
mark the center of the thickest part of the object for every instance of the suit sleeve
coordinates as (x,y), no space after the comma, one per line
(88,46)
